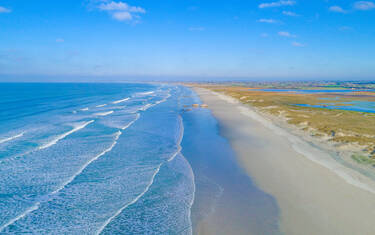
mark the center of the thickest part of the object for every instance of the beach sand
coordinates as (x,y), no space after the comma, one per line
(316,195)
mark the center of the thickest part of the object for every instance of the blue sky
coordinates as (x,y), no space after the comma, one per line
(265,39)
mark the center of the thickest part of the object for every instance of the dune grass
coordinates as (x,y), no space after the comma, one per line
(363,159)
(340,126)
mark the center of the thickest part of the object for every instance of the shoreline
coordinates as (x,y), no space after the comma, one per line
(315,193)
(341,152)
(226,199)
(307,147)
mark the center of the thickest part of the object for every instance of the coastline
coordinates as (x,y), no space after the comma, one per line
(314,192)
(226,199)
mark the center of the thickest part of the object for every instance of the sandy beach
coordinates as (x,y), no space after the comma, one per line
(315,194)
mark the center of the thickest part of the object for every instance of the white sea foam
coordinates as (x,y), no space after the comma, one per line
(29,210)
(120,101)
(190,227)
(101,228)
(68,181)
(181,133)
(104,113)
(84,109)
(147,106)
(182,130)
(131,123)
(118,134)
(146,93)
(62,136)
(63,185)
(180,137)
(49,144)
(11,138)
(163,100)
(102,105)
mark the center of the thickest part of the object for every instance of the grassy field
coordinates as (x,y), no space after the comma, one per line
(342,127)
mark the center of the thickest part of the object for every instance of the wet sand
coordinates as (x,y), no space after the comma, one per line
(226,199)
(316,195)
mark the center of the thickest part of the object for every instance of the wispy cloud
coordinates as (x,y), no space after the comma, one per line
(121,11)
(122,16)
(364,5)
(120,6)
(337,9)
(269,21)
(286,34)
(197,29)
(297,44)
(264,35)
(277,4)
(4,10)
(290,13)
(60,40)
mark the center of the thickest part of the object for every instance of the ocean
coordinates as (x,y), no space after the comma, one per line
(107,159)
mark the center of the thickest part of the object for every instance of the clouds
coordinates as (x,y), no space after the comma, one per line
(60,40)
(120,6)
(337,9)
(112,6)
(286,8)
(121,11)
(122,16)
(269,21)
(364,5)
(4,10)
(359,6)
(297,44)
(290,13)
(286,34)
(277,4)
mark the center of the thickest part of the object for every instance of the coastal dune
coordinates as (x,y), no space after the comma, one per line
(316,195)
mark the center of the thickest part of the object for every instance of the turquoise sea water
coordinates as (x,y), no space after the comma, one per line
(106,159)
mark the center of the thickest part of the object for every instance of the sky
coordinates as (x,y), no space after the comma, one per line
(190,39)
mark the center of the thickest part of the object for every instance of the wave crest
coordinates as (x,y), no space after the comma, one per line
(62,136)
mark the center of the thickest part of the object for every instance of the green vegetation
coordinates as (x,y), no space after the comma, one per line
(308,85)
(363,159)
(340,126)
